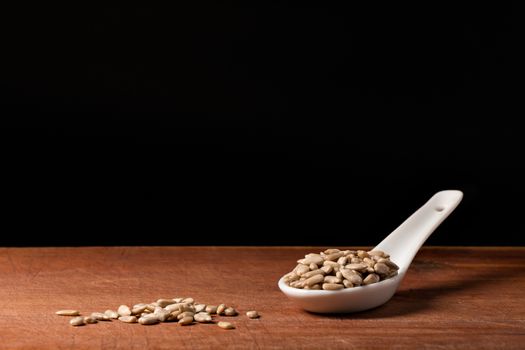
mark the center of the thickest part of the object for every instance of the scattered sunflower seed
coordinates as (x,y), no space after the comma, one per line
(202,317)
(128,319)
(165,302)
(211,309)
(252,314)
(199,308)
(185,321)
(67,313)
(111,314)
(183,310)
(230,312)
(149,319)
(89,320)
(123,310)
(99,316)
(225,325)
(220,309)
(77,321)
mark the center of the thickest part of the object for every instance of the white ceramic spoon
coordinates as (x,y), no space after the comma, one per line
(402,245)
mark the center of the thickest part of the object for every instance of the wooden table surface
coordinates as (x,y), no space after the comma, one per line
(451,298)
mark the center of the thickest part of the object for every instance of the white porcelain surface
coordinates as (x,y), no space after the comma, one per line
(402,245)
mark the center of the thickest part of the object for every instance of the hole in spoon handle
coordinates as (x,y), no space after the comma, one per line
(404,242)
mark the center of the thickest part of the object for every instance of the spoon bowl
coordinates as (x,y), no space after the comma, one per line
(402,245)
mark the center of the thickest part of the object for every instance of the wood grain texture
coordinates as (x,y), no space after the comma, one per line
(451,298)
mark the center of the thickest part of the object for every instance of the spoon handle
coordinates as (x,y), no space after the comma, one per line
(404,242)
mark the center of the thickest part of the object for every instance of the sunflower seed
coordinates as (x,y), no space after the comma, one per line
(314,272)
(99,316)
(327,269)
(342,260)
(199,307)
(77,321)
(149,319)
(332,286)
(381,268)
(111,314)
(352,276)
(314,280)
(230,312)
(123,310)
(225,325)
(185,314)
(295,284)
(347,284)
(138,309)
(165,302)
(358,267)
(252,314)
(173,316)
(186,321)
(186,307)
(331,279)
(67,313)
(333,256)
(311,258)
(372,278)
(362,254)
(128,319)
(369,262)
(172,307)
(161,313)
(376,253)
(89,319)
(220,309)
(202,317)
(150,307)
(330,263)
(211,309)
(291,277)
(302,269)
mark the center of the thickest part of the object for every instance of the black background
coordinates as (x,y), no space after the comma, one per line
(275,124)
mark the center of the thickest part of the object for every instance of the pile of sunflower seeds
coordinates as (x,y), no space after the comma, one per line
(184,311)
(336,269)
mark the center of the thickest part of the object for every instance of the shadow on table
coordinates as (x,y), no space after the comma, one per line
(414,300)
